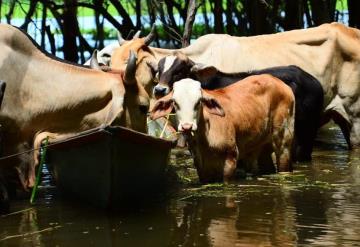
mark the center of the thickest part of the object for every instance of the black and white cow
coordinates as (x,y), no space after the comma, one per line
(308,92)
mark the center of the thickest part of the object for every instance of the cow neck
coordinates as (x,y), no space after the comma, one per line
(28,47)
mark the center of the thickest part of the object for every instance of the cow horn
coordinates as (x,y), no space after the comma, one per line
(120,38)
(94,64)
(130,69)
(151,36)
(137,35)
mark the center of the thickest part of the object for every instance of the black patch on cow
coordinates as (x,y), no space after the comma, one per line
(180,69)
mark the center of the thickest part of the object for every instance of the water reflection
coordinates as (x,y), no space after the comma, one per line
(319,205)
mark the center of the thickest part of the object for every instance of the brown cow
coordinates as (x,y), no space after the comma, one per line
(234,123)
(47,95)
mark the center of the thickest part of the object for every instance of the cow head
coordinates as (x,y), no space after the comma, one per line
(176,67)
(146,67)
(131,111)
(188,100)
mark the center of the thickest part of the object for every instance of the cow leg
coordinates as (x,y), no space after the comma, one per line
(344,125)
(305,134)
(230,165)
(251,162)
(39,138)
(355,133)
(336,111)
(4,196)
(282,144)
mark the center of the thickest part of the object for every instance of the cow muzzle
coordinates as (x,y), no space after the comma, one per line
(186,127)
(160,91)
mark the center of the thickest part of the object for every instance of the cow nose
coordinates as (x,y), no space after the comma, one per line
(160,90)
(185,127)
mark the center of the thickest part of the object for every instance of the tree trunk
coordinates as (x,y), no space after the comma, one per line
(29,14)
(100,35)
(354,17)
(307,14)
(127,23)
(218,20)
(11,11)
(206,19)
(43,27)
(294,13)
(169,7)
(51,40)
(322,11)
(257,16)
(241,27)
(152,14)
(70,30)
(230,6)
(192,7)
(138,14)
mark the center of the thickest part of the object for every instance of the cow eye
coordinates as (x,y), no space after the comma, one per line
(144,108)
(106,55)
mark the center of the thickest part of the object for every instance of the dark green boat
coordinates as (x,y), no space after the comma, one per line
(107,166)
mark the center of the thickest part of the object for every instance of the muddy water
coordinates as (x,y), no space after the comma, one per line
(317,205)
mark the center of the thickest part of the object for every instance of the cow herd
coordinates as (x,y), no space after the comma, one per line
(255,102)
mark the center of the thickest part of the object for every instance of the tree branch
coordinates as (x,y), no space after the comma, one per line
(191,12)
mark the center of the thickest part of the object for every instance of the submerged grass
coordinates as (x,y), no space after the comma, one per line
(185,175)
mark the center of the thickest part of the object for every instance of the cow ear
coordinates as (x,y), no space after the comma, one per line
(211,105)
(203,71)
(94,64)
(162,107)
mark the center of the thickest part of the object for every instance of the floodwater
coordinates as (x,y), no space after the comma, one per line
(317,205)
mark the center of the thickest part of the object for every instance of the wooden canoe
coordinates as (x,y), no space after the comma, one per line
(107,166)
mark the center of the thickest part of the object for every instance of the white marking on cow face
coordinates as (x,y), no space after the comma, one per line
(187,96)
(169,61)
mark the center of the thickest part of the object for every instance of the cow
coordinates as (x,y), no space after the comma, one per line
(52,96)
(308,92)
(330,53)
(238,122)
(147,65)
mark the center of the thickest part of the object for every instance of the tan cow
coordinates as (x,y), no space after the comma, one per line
(235,123)
(330,52)
(48,95)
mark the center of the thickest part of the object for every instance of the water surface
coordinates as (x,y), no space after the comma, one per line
(317,205)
